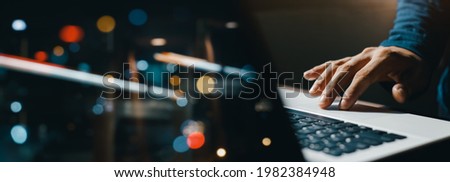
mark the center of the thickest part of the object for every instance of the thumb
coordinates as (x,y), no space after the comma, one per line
(400,92)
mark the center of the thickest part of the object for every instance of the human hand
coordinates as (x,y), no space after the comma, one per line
(353,75)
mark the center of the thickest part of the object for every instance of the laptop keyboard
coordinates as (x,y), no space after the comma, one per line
(335,137)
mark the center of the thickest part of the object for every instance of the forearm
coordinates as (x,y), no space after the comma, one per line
(421,26)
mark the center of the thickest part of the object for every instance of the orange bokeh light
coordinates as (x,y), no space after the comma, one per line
(195,140)
(71,34)
(41,56)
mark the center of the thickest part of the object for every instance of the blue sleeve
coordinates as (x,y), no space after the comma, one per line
(421,26)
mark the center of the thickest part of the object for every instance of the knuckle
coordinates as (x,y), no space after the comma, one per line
(384,51)
(368,49)
(345,68)
(342,61)
(329,62)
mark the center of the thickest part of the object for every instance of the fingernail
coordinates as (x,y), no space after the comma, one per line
(323,98)
(323,102)
(402,91)
(344,104)
(313,89)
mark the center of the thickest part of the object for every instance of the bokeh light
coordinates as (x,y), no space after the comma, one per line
(61,60)
(196,140)
(71,34)
(158,42)
(175,80)
(84,67)
(266,141)
(182,102)
(190,126)
(58,50)
(41,56)
(109,78)
(16,106)
(106,24)
(171,68)
(19,25)
(221,152)
(137,17)
(180,144)
(142,65)
(206,84)
(74,47)
(19,134)
(97,109)
(231,25)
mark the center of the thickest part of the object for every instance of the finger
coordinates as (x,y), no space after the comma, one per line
(322,81)
(361,81)
(358,86)
(400,92)
(409,85)
(335,86)
(315,72)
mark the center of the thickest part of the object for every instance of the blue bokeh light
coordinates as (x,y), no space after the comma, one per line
(19,25)
(19,134)
(137,17)
(98,109)
(84,67)
(74,47)
(142,65)
(61,60)
(182,102)
(16,107)
(180,144)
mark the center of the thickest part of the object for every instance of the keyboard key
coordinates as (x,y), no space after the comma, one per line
(353,129)
(305,131)
(313,138)
(337,137)
(330,131)
(356,143)
(329,143)
(396,136)
(300,125)
(304,143)
(347,134)
(347,148)
(379,132)
(337,126)
(307,120)
(369,134)
(332,121)
(321,123)
(314,128)
(370,141)
(316,146)
(364,128)
(335,151)
(387,138)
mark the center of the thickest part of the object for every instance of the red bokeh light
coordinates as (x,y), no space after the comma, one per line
(195,140)
(71,34)
(41,56)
